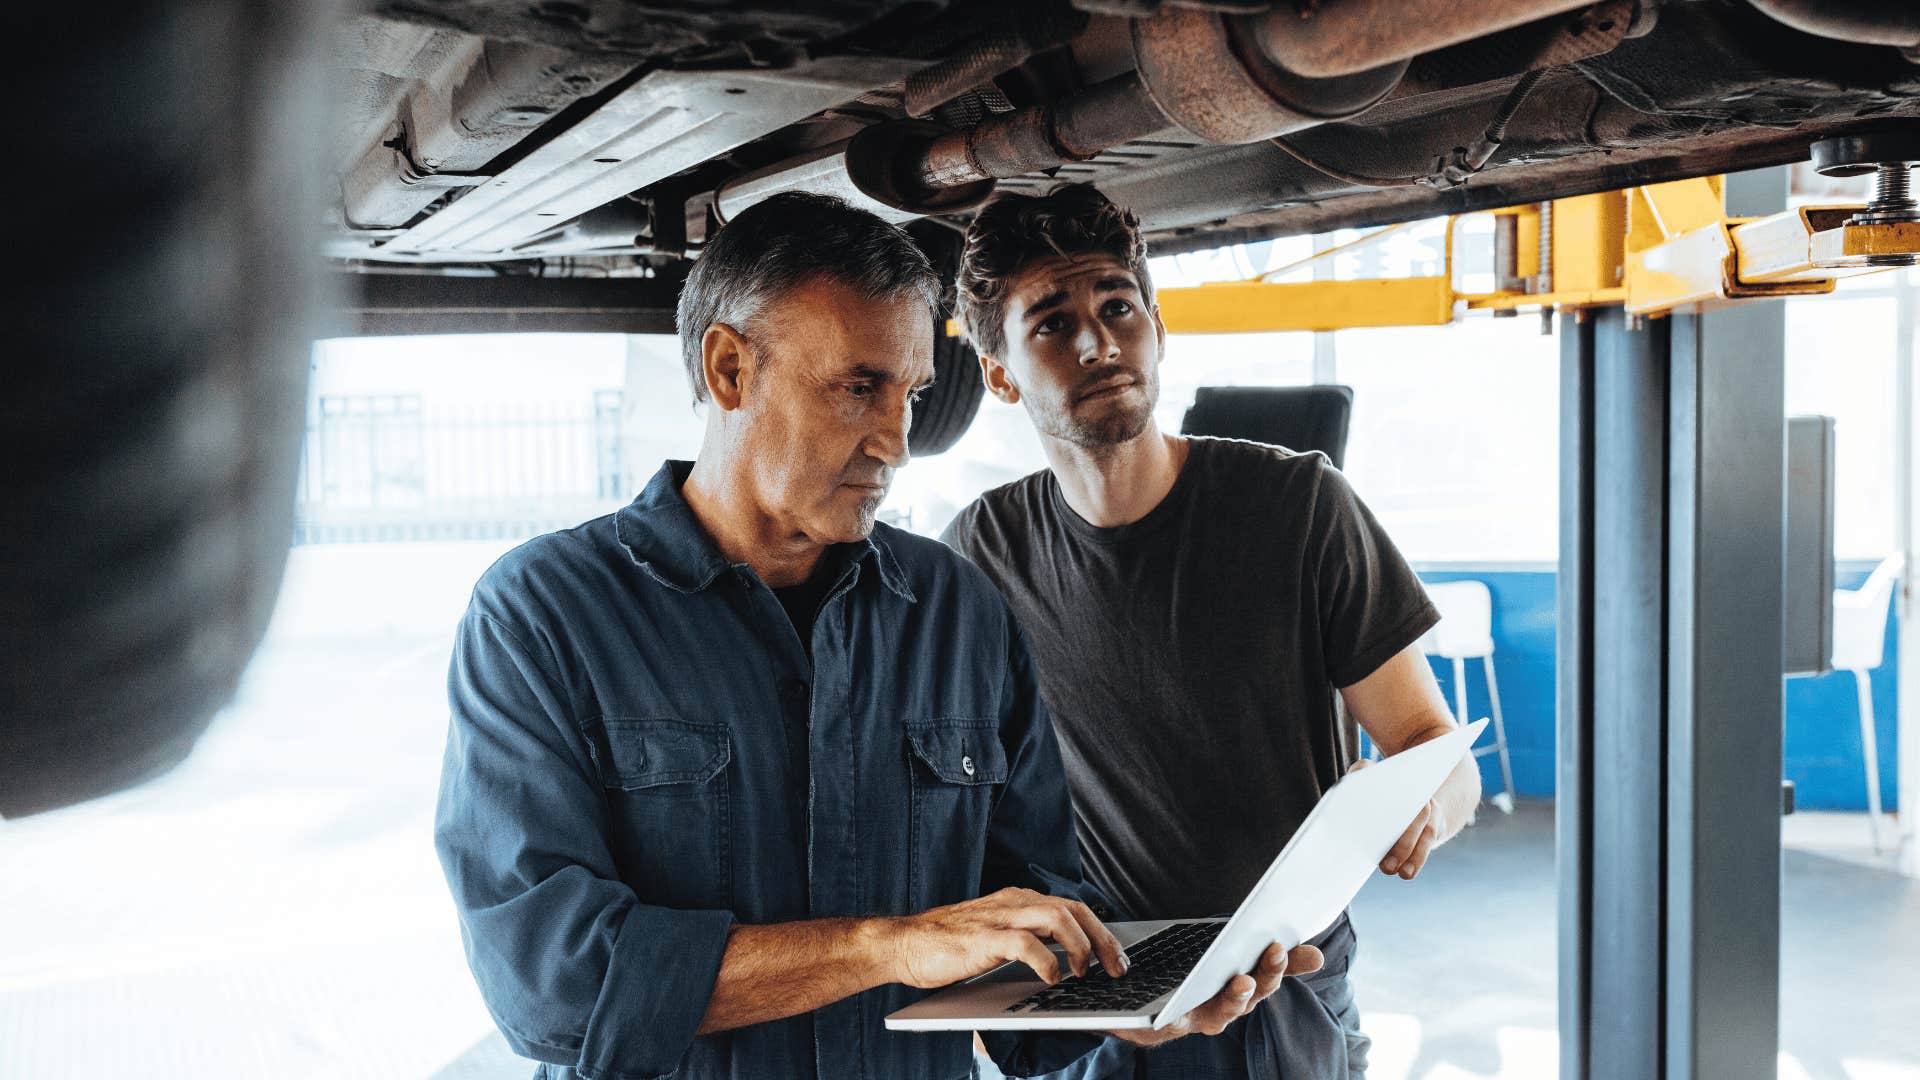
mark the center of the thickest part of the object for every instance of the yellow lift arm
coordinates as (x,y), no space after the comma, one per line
(1652,249)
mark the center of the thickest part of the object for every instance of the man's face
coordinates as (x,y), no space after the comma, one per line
(827,402)
(1083,350)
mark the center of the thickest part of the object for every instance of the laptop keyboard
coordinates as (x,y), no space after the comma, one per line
(1159,963)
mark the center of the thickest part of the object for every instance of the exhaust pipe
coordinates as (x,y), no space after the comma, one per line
(1345,37)
(865,171)
(1219,78)
(1863,22)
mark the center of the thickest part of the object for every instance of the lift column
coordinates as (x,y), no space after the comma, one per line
(1670,692)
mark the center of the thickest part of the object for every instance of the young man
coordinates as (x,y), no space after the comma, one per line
(1195,608)
(730,767)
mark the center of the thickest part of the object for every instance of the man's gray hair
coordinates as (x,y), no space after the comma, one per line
(787,241)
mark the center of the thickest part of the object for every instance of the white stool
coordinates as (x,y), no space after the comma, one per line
(1859,645)
(1465,632)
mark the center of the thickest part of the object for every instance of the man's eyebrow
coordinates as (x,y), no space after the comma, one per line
(869,373)
(1052,299)
(1059,296)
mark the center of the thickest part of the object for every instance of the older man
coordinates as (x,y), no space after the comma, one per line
(711,754)
(1199,607)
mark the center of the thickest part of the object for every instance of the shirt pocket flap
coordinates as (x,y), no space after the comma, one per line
(642,753)
(960,751)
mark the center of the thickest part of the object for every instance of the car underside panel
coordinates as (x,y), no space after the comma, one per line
(712,32)
(420,110)
(657,124)
(666,122)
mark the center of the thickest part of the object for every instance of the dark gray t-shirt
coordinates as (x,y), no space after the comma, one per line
(1190,659)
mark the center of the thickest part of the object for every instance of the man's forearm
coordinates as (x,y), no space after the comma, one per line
(773,972)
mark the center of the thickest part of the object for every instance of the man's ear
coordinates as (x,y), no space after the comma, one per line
(999,384)
(1160,330)
(724,354)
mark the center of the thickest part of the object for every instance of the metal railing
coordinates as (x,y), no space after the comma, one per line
(390,467)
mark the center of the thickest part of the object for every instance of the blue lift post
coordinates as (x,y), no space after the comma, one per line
(1670,703)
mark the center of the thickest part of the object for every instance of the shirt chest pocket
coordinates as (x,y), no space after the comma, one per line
(666,788)
(959,769)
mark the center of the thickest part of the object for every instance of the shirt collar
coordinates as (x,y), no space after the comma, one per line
(661,534)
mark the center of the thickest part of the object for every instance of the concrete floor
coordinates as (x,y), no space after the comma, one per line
(1456,970)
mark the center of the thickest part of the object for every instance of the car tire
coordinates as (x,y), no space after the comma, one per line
(155,393)
(947,409)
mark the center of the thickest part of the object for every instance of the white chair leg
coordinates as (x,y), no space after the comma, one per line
(1871,750)
(1460,690)
(1499,736)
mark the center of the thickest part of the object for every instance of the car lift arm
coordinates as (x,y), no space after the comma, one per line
(1650,249)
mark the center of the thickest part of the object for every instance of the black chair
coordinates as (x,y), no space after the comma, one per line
(1297,417)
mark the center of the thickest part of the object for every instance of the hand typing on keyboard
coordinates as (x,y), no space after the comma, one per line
(1234,1000)
(1159,963)
(946,944)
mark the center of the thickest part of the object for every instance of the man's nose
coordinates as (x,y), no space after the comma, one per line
(888,441)
(1098,344)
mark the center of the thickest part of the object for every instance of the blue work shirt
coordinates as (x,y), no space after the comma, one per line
(642,754)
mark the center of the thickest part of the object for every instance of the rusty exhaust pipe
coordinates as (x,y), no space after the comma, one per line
(1220,78)
(1345,37)
(1863,22)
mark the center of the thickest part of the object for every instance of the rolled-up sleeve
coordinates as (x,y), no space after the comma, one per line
(1031,844)
(574,968)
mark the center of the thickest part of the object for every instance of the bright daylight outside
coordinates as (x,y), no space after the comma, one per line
(274,907)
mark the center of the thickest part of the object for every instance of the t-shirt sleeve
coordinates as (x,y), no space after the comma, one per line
(1371,603)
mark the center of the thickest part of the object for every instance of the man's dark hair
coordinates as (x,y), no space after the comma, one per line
(776,246)
(1014,230)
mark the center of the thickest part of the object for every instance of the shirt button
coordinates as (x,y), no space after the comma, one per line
(966,764)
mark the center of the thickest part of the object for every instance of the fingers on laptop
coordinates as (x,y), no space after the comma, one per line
(1052,918)
(1107,947)
(1422,848)
(1277,962)
(1304,960)
(1021,945)
(1240,995)
(1070,924)
(1237,998)
(1234,1000)
(1409,854)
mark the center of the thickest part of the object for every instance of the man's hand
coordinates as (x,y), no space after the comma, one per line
(944,945)
(1410,852)
(1235,1000)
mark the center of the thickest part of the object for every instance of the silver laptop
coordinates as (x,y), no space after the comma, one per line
(1177,965)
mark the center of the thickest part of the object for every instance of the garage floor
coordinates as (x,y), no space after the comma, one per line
(1456,972)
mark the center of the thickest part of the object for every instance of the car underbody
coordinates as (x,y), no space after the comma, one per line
(603,139)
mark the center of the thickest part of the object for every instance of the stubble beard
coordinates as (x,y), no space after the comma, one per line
(1112,427)
(866,514)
